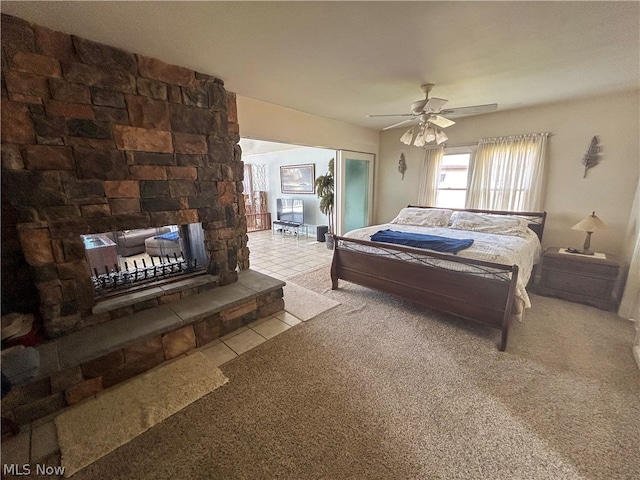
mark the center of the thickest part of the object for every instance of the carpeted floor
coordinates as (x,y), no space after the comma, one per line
(378,389)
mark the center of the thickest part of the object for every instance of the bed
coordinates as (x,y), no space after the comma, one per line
(485,282)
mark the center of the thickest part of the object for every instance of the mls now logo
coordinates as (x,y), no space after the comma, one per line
(25,469)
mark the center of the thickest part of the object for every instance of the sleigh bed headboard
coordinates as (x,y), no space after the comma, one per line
(536,219)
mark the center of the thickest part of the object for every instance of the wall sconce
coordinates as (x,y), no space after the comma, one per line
(402,165)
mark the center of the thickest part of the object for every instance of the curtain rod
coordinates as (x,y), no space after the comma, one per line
(460,145)
(465,145)
(523,135)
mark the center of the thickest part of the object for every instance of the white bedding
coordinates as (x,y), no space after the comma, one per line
(523,251)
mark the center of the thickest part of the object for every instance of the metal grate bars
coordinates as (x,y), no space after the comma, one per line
(114,278)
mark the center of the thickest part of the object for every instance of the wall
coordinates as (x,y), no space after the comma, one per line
(272,162)
(265,121)
(608,189)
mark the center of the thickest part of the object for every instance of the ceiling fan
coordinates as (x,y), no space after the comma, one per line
(431,118)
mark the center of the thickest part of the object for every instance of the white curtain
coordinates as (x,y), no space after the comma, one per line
(247,190)
(630,303)
(508,173)
(427,191)
(254,188)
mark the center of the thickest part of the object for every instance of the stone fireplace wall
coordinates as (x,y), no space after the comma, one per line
(97,139)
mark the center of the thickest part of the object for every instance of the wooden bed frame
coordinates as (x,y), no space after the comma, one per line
(474,296)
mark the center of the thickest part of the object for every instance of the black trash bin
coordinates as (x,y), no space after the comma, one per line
(320,231)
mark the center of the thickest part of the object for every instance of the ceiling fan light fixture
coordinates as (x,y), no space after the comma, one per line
(429,134)
(441,137)
(431,117)
(407,137)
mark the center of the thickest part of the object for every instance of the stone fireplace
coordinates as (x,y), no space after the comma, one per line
(96,139)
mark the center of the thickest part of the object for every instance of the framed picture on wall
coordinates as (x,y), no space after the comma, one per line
(298,178)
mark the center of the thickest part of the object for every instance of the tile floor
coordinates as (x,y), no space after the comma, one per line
(274,254)
(284,256)
(245,338)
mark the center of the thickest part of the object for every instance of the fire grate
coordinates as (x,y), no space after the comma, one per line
(115,278)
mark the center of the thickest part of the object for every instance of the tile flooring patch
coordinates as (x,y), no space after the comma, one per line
(287,318)
(219,354)
(284,257)
(271,328)
(244,341)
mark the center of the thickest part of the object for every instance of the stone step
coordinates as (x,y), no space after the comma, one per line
(80,364)
(92,342)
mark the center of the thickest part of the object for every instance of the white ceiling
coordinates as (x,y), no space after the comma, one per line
(258,147)
(344,60)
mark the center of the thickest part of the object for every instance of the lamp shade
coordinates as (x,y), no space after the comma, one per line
(441,137)
(429,134)
(407,137)
(590,224)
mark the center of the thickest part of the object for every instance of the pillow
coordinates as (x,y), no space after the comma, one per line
(423,217)
(486,223)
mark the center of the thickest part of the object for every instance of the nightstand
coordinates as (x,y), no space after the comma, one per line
(579,278)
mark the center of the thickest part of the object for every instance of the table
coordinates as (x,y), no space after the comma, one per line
(290,227)
(579,278)
(101,252)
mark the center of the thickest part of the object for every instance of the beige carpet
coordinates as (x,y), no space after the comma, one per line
(98,426)
(305,304)
(376,388)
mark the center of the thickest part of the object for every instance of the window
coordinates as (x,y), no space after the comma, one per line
(508,173)
(451,191)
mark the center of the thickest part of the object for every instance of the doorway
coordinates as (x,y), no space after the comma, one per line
(354,181)
(354,190)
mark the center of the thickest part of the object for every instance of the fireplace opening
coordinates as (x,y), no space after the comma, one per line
(129,259)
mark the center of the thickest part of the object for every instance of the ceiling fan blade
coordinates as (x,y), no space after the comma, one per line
(468,111)
(392,115)
(399,123)
(434,105)
(440,121)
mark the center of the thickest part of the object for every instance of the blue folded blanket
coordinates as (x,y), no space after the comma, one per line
(172,236)
(432,242)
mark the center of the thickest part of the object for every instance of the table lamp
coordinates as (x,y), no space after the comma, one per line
(590,224)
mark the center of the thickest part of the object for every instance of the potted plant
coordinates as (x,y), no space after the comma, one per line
(325,192)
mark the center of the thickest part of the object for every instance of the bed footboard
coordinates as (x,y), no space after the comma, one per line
(480,291)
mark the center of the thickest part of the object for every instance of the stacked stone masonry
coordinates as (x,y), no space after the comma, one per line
(97,139)
(54,392)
